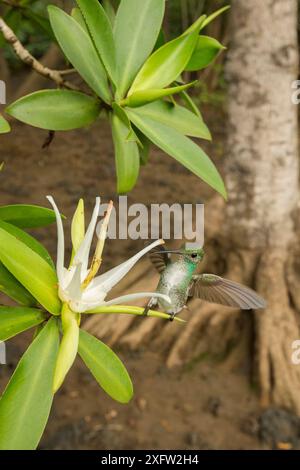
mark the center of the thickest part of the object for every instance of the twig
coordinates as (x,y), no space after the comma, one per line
(28,59)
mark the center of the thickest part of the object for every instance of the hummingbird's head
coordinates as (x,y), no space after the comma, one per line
(190,255)
(193,255)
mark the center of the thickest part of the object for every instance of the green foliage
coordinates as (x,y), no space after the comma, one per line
(56,110)
(31,270)
(123,57)
(184,150)
(4,126)
(106,367)
(27,216)
(79,49)
(126,151)
(137,26)
(14,320)
(205,52)
(26,402)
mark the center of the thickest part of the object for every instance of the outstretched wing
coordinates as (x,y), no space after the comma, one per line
(159,258)
(222,291)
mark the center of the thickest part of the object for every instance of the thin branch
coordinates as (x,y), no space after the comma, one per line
(28,59)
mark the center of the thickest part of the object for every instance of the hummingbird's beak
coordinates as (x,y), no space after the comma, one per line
(175,252)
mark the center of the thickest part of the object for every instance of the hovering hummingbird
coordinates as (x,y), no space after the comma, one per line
(179,281)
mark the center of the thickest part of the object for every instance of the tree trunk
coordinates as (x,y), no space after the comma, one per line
(258,244)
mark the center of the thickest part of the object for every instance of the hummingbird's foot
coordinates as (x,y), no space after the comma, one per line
(145,312)
(172,316)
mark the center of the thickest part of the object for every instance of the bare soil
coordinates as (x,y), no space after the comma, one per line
(207,404)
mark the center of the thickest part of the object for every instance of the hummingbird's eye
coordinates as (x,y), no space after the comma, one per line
(194,255)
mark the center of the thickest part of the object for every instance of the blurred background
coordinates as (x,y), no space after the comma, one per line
(225,380)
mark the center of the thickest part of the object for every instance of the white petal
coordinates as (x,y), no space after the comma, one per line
(60,241)
(73,290)
(139,295)
(108,280)
(82,255)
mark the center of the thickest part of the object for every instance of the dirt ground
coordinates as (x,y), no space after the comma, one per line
(206,405)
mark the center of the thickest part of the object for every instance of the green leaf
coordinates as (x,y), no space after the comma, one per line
(26,402)
(175,116)
(137,26)
(14,320)
(31,270)
(10,286)
(56,110)
(190,104)
(28,240)
(166,64)
(79,49)
(140,98)
(27,215)
(101,31)
(213,16)
(181,148)
(144,147)
(109,10)
(126,152)
(78,16)
(68,347)
(4,126)
(206,51)
(106,367)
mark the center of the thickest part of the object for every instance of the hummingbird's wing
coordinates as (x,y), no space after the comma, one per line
(159,258)
(217,290)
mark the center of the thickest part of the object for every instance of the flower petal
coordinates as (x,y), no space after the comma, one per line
(139,295)
(60,241)
(82,255)
(107,281)
(73,290)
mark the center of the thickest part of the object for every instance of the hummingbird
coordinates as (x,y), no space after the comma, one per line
(179,281)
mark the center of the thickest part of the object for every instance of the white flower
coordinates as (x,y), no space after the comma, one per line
(78,285)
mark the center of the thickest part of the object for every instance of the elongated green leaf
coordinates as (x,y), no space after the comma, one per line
(14,320)
(78,16)
(28,240)
(106,367)
(79,49)
(206,51)
(214,15)
(109,10)
(181,148)
(175,116)
(137,27)
(56,110)
(144,148)
(166,64)
(4,126)
(26,402)
(27,215)
(32,271)
(190,104)
(10,286)
(126,154)
(140,98)
(101,31)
